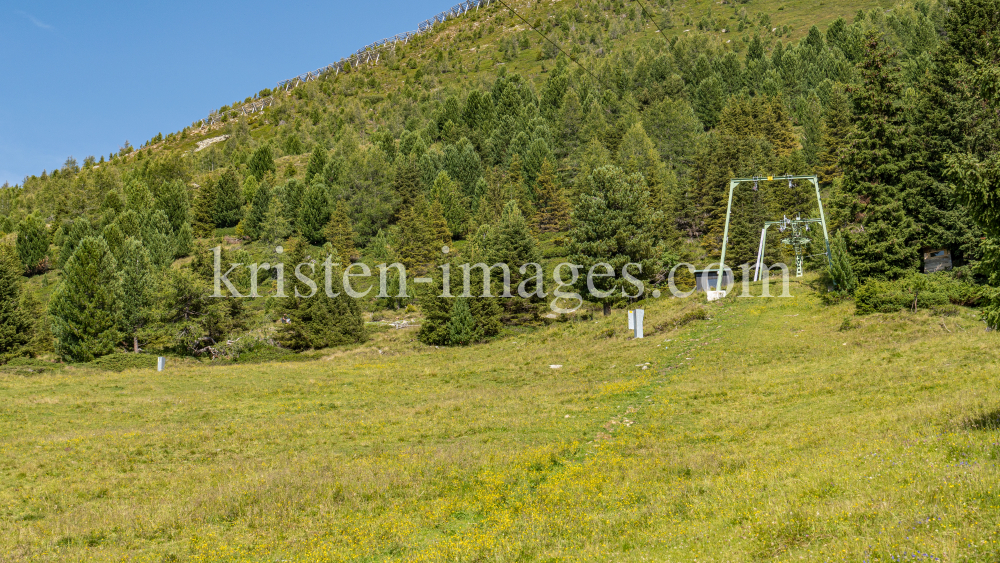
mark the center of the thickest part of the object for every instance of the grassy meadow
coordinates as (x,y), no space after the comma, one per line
(775,429)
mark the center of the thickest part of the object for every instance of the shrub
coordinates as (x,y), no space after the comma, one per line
(917,291)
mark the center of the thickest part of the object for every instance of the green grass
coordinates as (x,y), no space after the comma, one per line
(763,432)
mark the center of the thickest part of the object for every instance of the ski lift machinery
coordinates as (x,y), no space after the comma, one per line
(797,226)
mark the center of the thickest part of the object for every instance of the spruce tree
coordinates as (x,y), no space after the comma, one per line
(880,234)
(438,224)
(275,226)
(321,322)
(228,200)
(204,210)
(419,243)
(32,244)
(317,162)
(553,206)
(454,206)
(137,291)
(407,182)
(86,305)
(836,129)
(249,189)
(138,197)
(339,233)
(172,198)
(158,239)
(462,329)
(79,230)
(292,200)
(257,213)
(611,225)
(15,324)
(261,162)
(114,238)
(314,213)
(184,243)
(840,268)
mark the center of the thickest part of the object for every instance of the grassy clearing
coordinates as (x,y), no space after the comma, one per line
(771,430)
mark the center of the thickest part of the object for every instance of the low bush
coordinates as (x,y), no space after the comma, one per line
(935,291)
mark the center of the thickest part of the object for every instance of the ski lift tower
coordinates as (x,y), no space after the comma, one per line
(796,240)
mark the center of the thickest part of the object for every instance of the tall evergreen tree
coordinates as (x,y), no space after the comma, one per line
(317,162)
(159,239)
(184,243)
(255,217)
(454,205)
(880,235)
(611,225)
(837,125)
(228,200)
(419,242)
(261,162)
(137,291)
(15,324)
(172,198)
(339,233)
(407,181)
(32,244)
(553,206)
(86,305)
(204,210)
(314,213)
(840,268)
(79,230)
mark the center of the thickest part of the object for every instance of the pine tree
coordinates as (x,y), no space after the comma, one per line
(261,162)
(462,329)
(136,296)
(321,322)
(204,209)
(250,188)
(32,244)
(228,200)
(454,206)
(419,243)
(292,199)
(407,181)
(173,200)
(317,162)
(314,213)
(111,206)
(553,206)
(15,324)
(339,233)
(438,224)
(709,99)
(611,225)
(836,130)
(840,268)
(275,226)
(79,230)
(86,305)
(256,215)
(879,233)
(159,239)
(812,124)
(137,195)
(184,243)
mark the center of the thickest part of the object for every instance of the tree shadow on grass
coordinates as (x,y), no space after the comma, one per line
(983,421)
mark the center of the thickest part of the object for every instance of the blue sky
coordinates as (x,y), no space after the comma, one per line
(81,78)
